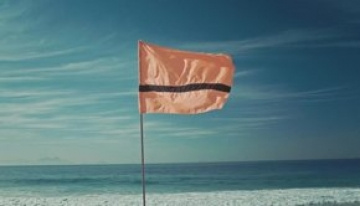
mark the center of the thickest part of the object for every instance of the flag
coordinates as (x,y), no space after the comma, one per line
(182,82)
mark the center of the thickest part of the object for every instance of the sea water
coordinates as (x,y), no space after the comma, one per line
(273,183)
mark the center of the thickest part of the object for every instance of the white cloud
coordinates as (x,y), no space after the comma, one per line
(165,129)
(21,54)
(104,67)
(10,10)
(245,124)
(99,66)
(23,37)
(245,73)
(18,40)
(271,93)
(262,106)
(337,44)
(283,39)
(49,109)
(321,38)
(19,79)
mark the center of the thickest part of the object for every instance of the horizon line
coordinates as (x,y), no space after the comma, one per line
(183,163)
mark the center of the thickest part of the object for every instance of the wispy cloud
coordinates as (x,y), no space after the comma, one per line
(91,125)
(325,38)
(231,126)
(32,93)
(11,10)
(100,66)
(261,106)
(165,129)
(18,79)
(39,102)
(247,124)
(53,82)
(23,37)
(21,54)
(272,93)
(49,56)
(19,42)
(336,44)
(245,73)
(283,39)
(62,111)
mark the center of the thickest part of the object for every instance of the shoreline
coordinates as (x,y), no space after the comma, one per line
(288,197)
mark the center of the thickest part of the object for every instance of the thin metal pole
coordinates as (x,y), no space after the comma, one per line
(142,159)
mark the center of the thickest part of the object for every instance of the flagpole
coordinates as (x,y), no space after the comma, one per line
(142,159)
(142,137)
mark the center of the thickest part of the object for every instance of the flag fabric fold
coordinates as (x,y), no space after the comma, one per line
(182,82)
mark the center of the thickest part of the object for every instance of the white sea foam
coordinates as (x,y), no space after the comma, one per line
(289,197)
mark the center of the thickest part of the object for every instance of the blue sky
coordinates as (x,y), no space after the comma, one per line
(68,80)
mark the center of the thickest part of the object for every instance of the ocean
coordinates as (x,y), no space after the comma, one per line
(267,183)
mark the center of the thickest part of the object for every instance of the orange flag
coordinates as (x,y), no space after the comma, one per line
(182,82)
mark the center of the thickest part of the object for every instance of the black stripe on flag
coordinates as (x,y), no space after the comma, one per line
(185,88)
